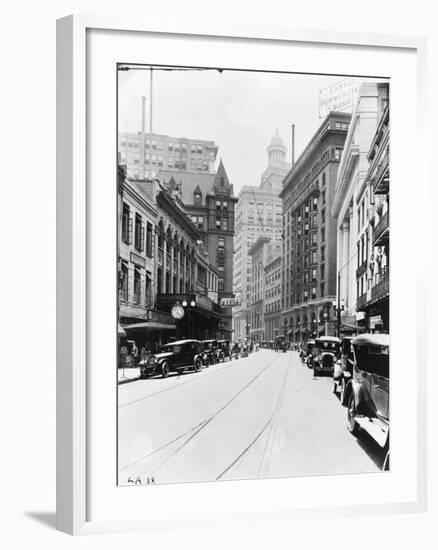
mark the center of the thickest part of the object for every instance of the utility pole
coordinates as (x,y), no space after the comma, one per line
(150,123)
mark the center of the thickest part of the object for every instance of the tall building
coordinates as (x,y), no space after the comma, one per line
(146,154)
(258,213)
(210,202)
(309,256)
(262,252)
(353,210)
(272,304)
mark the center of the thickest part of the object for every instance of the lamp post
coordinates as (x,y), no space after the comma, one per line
(338,307)
(189,303)
(325,315)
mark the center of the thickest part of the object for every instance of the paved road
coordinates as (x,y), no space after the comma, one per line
(261,416)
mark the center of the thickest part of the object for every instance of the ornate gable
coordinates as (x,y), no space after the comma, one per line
(221,182)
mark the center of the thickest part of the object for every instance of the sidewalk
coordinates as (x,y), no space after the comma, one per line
(125,375)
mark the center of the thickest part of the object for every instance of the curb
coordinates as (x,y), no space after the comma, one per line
(119,382)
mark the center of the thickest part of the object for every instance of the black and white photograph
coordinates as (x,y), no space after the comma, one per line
(253,329)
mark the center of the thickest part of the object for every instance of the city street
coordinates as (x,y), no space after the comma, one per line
(261,416)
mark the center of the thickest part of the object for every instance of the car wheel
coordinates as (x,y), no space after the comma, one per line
(165,370)
(198,365)
(353,426)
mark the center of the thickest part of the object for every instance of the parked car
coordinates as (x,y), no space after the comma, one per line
(210,349)
(343,374)
(173,357)
(310,352)
(224,350)
(244,351)
(327,351)
(367,393)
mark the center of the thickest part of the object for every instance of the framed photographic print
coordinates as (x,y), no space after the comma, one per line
(232,341)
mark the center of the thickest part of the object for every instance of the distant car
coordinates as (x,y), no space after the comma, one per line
(209,348)
(173,357)
(328,347)
(367,393)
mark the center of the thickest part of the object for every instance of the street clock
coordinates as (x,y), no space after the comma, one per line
(177,312)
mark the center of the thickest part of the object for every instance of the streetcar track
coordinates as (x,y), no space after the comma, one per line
(176,386)
(274,425)
(270,422)
(200,426)
(162,446)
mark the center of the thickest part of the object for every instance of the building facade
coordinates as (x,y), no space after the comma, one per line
(139,316)
(262,253)
(352,208)
(146,154)
(258,213)
(376,305)
(210,202)
(309,277)
(272,277)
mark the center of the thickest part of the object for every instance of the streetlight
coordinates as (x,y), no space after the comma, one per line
(338,307)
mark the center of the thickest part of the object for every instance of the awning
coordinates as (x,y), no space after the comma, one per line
(120,330)
(353,327)
(224,329)
(149,325)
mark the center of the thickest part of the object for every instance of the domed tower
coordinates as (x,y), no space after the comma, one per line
(277,168)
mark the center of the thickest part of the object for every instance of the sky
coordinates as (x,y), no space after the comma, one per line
(239,110)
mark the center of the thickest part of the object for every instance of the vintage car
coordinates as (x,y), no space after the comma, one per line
(327,350)
(343,370)
(367,393)
(310,352)
(223,350)
(235,350)
(281,344)
(210,349)
(173,357)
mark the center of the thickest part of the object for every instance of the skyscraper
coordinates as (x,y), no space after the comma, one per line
(258,213)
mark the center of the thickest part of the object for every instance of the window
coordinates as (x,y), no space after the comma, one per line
(313,274)
(139,233)
(321,287)
(221,284)
(323,195)
(338,153)
(149,233)
(218,223)
(148,289)
(322,234)
(124,282)
(225,224)
(126,225)
(198,198)
(322,253)
(313,292)
(322,271)
(221,242)
(137,286)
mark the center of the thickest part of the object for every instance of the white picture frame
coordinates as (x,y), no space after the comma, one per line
(75,213)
